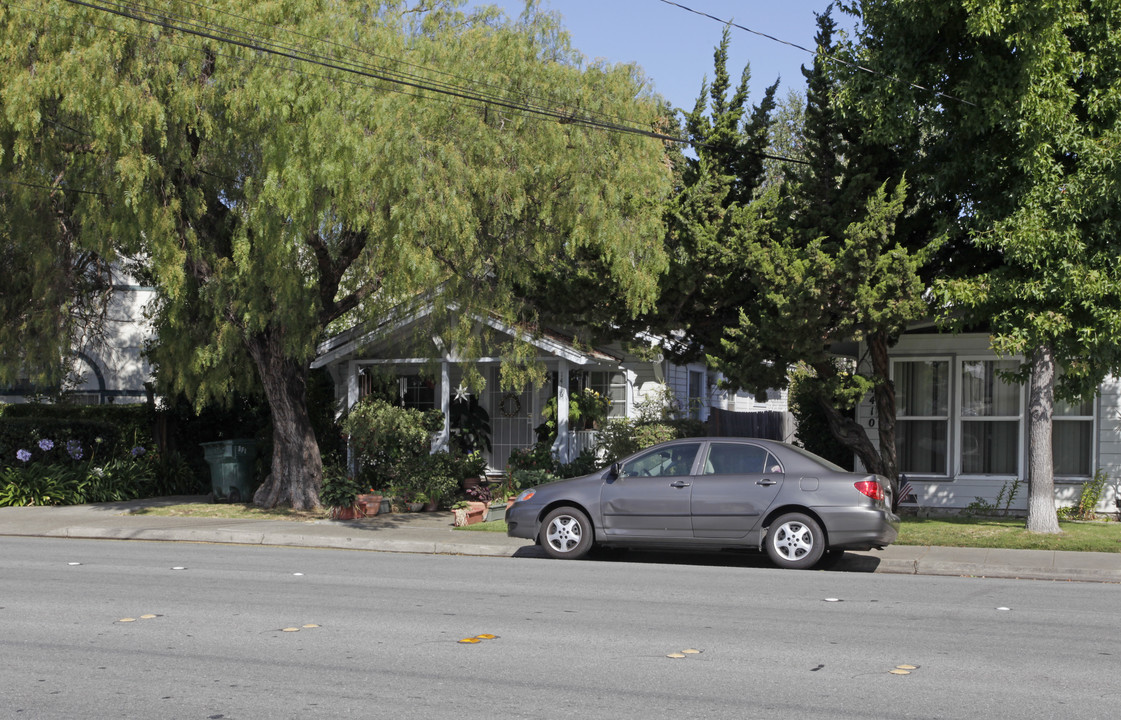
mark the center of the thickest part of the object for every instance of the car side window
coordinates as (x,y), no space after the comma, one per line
(671,461)
(739,459)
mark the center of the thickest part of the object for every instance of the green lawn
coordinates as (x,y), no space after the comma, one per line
(1008,533)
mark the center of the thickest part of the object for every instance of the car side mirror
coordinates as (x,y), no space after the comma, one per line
(615,472)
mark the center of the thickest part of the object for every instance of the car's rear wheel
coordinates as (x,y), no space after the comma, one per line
(795,541)
(566,533)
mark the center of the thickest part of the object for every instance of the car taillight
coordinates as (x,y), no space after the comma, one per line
(871,488)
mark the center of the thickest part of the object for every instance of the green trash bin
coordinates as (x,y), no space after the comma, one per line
(231,469)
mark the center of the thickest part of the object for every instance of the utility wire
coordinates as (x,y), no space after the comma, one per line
(296,54)
(835,59)
(571,117)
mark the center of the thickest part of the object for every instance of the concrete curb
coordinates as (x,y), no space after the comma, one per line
(432,534)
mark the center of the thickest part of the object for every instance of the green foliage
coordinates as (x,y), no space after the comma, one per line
(1087,506)
(339,487)
(587,409)
(623,436)
(813,431)
(388,441)
(1015,106)
(538,456)
(135,475)
(1004,498)
(436,476)
(266,203)
(583,464)
(88,430)
(470,426)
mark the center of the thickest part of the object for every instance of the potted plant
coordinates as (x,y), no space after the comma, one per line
(468,512)
(340,493)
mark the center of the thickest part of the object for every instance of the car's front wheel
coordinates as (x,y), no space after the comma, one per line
(566,533)
(795,541)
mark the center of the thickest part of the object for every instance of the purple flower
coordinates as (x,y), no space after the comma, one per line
(23,455)
(45,445)
(74,448)
(138,451)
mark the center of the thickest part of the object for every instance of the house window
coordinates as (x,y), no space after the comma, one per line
(417,393)
(922,408)
(611,385)
(696,393)
(990,419)
(1072,431)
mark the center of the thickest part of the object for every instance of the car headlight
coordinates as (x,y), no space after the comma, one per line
(525,495)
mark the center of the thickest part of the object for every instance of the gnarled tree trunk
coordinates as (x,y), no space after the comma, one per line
(296,472)
(846,429)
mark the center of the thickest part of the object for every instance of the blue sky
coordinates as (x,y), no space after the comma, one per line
(674,46)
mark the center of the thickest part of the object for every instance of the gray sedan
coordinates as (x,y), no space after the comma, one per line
(712,493)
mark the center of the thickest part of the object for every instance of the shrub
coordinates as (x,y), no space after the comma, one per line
(584,464)
(622,437)
(339,488)
(389,440)
(538,456)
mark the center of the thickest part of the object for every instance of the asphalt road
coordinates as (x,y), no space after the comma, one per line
(177,630)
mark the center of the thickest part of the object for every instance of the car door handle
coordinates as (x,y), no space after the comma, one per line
(766,482)
(679,484)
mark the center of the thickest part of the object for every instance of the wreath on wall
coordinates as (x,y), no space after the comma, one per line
(511,405)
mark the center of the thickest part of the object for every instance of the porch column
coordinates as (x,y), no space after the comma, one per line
(352,391)
(562,446)
(441,441)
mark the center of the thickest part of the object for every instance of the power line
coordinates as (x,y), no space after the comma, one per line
(855,66)
(570,117)
(221,34)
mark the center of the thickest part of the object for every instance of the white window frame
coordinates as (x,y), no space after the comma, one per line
(951,453)
(1093,420)
(960,421)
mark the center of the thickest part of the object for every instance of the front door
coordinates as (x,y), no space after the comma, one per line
(736,484)
(650,496)
(511,420)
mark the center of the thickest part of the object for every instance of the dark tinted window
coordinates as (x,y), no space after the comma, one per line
(665,462)
(739,459)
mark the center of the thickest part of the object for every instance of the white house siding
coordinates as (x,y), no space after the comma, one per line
(111,368)
(123,368)
(956,489)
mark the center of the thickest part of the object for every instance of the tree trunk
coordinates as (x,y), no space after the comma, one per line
(884,396)
(847,430)
(296,472)
(1041,469)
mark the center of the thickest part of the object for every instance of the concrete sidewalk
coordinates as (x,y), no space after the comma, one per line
(433,533)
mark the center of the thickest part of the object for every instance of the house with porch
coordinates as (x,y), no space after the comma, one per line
(429,376)
(962,431)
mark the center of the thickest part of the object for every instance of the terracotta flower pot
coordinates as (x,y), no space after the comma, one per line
(370,504)
(344,513)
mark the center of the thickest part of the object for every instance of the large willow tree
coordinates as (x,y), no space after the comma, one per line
(335,159)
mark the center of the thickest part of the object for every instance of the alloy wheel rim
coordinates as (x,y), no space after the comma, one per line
(564,533)
(793,540)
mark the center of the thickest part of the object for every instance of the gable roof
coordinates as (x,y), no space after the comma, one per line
(353,341)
